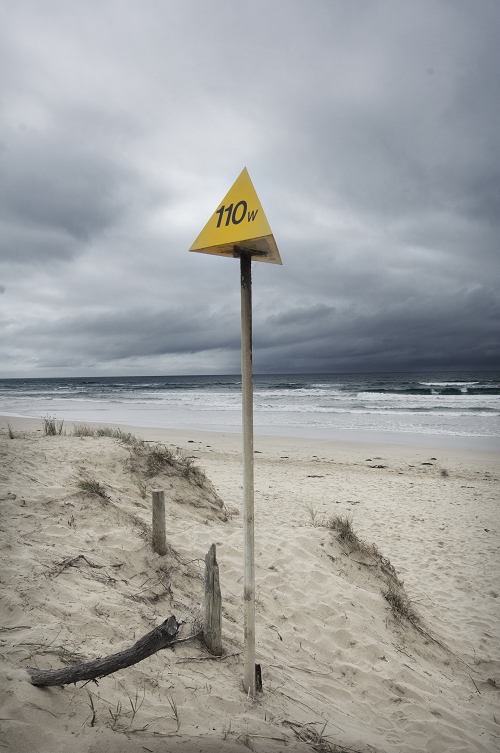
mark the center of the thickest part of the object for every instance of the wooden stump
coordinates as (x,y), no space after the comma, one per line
(159,535)
(212,631)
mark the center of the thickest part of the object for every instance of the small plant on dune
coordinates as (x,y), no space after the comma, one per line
(83,430)
(313,733)
(105,431)
(92,709)
(313,514)
(143,489)
(189,470)
(342,525)
(116,715)
(52,427)
(187,464)
(157,458)
(10,432)
(136,703)
(92,486)
(128,438)
(121,718)
(122,436)
(400,604)
(175,711)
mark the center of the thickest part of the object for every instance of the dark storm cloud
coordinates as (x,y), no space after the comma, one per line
(370,130)
(56,195)
(427,333)
(131,334)
(403,336)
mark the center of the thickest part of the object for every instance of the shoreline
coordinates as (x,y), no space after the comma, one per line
(438,442)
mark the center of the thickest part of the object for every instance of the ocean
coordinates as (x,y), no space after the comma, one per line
(455,409)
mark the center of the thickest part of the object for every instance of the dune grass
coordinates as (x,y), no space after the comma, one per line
(154,457)
(400,604)
(342,526)
(393,592)
(51,426)
(313,734)
(84,430)
(92,486)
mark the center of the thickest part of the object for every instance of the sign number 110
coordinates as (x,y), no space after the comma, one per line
(235,213)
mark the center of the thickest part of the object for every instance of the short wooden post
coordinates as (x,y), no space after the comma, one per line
(212,631)
(159,535)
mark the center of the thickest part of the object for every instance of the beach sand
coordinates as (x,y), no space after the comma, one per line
(80,580)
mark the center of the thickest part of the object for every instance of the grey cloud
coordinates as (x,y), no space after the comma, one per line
(24,244)
(131,334)
(380,182)
(429,333)
(56,195)
(483,197)
(300,316)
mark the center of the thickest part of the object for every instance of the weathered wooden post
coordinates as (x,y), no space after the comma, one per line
(249,677)
(239,229)
(159,534)
(212,624)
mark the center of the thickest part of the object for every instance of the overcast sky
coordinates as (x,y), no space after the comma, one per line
(371,131)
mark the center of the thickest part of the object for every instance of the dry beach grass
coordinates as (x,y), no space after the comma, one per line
(377,593)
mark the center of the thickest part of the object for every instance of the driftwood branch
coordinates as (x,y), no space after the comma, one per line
(161,637)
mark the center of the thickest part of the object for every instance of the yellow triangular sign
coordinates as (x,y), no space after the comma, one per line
(239,224)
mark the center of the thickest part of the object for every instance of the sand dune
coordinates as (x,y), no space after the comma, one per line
(80,580)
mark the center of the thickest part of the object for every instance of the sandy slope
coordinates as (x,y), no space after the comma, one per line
(330,649)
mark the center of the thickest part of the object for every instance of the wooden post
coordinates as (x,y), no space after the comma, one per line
(159,537)
(248,474)
(212,630)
